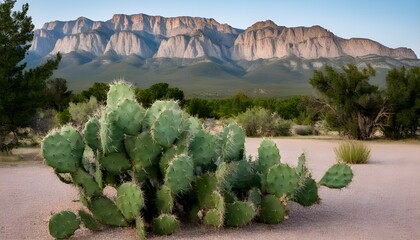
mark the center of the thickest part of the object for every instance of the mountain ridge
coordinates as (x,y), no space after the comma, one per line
(204,57)
(195,37)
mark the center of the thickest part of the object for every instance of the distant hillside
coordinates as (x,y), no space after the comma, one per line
(202,56)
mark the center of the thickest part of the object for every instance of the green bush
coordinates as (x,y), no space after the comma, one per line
(303,130)
(260,122)
(80,112)
(354,152)
(64,117)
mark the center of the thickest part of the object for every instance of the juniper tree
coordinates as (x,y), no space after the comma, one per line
(22,90)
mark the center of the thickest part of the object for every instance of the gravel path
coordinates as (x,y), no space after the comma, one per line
(382,202)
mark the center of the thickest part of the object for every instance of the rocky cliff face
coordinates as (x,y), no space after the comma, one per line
(125,43)
(192,37)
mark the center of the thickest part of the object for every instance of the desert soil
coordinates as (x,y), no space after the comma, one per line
(382,202)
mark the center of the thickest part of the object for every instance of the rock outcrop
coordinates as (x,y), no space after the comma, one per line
(193,37)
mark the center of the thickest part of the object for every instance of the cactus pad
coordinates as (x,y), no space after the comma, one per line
(142,149)
(214,218)
(272,210)
(239,214)
(165,129)
(88,221)
(118,92)
(86,182)
(205,185)
(242,176)
(111,135)
(63,224)
(214,200)
(129,116)
(165,224)
(281,179)
(91,133)
(338,176)
(179,174)
(307,194)
(106,212)
(63,150)
(115,163)
(129,200)
(231,143)
(268,155)
(157,107)
(169,155)
(164,200)
(202,148)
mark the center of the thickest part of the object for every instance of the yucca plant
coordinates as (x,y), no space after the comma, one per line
(353,152)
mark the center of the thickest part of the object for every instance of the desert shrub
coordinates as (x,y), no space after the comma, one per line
(200,108)
(64,117)
(402,92)
(260,122)
(80,112)
(354,152)
(349,102)
(303,130)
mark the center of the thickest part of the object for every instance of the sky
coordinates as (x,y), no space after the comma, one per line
(390,22)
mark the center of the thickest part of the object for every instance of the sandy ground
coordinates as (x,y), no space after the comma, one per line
(382,202)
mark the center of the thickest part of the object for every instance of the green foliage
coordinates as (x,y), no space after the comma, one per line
(352,152)
(22,91)
(260,122)
(351,104)
(166,167)
(233,106)
(295,108)
(81,112)
(58,94)
(158,91)
(200,108)
(98,90)
(64,117)
(403,87)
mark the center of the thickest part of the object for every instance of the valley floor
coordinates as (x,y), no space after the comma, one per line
(382,202)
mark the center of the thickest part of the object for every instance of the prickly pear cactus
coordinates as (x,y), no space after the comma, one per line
(338,176)
(166,168)
(63,224)
(63,149)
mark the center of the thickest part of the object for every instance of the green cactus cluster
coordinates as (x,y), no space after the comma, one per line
(168,170)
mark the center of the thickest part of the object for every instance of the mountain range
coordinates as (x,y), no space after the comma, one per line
(202,56)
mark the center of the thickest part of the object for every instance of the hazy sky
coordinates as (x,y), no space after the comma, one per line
(390,22)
